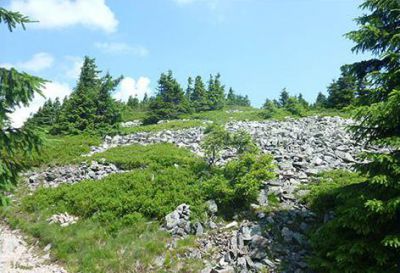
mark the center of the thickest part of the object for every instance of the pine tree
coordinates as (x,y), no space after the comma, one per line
(230,98)
(107,113)
(133,102)
(198,97)
(283,97)
(321,101)
(342,92)
(237,100)
(189,88)
(169,102)
(216,93)
(365,234)
(16,89)
(302,101)
(46,116)
(90,106)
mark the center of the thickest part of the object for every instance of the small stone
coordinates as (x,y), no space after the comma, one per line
(233,224)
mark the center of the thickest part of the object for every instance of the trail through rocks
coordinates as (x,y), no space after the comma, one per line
(16,256)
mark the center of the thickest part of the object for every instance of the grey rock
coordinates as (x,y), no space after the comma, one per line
(258,247)
(212,206)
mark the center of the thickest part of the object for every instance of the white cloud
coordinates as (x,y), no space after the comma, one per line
(131,87)
(51,90)
(93,14)
(38,62)
(73,69)
(122,48)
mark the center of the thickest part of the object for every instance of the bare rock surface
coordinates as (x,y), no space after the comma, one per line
(53,177)
(16,256)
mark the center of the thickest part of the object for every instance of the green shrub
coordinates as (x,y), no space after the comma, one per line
(239,182)
(348,242)
(152,194)
(157,156)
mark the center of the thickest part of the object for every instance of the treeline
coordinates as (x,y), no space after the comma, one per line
(343,92)
(172,100)
(90,107)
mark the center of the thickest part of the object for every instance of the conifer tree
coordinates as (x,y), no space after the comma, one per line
(283,97)
(47,114)
(133,102)
(198,97)
(343,90)
(216,93)
(238,100)
(169,102)
(321,101)
(107,113)
(16,89)
(189,88)
(364,236)
(90,106)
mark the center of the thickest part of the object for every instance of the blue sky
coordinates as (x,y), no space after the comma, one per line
(258,46)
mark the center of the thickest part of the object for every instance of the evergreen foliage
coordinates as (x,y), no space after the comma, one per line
(198,97)
(236,100)
(283,98)
(47,114)
(169,102)
(133,102)
(295,105)
(321,101)
(342,92)
(364,236)
(90,107)
(216,93)
(16,89)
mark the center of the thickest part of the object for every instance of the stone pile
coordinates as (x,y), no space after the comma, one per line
(132,123)
(53,177)
(187,138)
(63,219)
(178,221)
(236,250)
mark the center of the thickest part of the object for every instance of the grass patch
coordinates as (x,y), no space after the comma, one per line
(63,150)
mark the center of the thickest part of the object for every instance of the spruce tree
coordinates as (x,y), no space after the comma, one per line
(198,97)
(283,97)
(230,98)
(133,102)
(46,116)
(343,90)
(169,102)
(189,88)
(90,106)
(216,93)
(16,89)
(321,101)
(107,112)
(364,236)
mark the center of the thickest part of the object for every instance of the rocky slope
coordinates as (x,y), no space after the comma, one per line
(274,239)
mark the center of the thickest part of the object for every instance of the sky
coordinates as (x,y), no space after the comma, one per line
(258,46)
